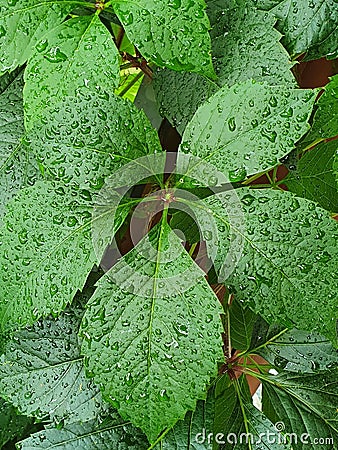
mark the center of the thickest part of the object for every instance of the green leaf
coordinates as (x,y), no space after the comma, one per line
(111,434)
(306,405)
(78,55)
(313,176)
(23,23)
(247,128)
(242,320)
(139,329)
(131,80)
(45,362)
(83,140)
(310,26)
(171,34)
(285,254)
(299,351)
(239,32)
(8,78)
(16,163)
(189,434)
(238,424)
(47,229)
(325,120)
(11,424)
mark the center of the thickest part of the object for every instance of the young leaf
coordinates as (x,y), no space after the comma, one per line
(286,256)
(11,424)
(309,26)
(313,176)
(111,434)
(77,55)
(45,362)
(16,163)
(247,128)
(47,230)
(171,34)
(242,320)
(23,23)
(307,406)
(239,33)
(238,424)
(153,333)
(325,121)
(299,351)
(84,139)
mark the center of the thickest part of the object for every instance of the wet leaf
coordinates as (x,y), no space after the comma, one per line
(47,250)
(307,406)
(139,329)
(171,34)
(46,230)
(8,78)
(41,372)
(245,45)
(17,165)
(82,140)
(12,425)
(112,433)
(299,351)
(238,424)
(309,26)
(276,252)
(247,128)
(313,176)
(242,320)
(22,25)
(191,433)
(77,55)
(325,121)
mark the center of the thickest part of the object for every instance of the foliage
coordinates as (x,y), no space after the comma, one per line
(142,290)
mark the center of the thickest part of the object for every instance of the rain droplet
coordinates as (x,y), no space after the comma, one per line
(232,124)
(237,175)
(42,45)
(55,55)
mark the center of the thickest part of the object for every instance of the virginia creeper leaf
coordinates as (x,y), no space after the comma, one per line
(77,55)
(310,26)
(286,254)
(8,78)
(238,424)
(313,176)
(242,320)
(45,362)
(139,329)
(16,163)
(245,45)
(247,128)
(11,424)
(46,230)
(111,434)
(172,34)
(84,139)
(189,434)
(306,404)
(23,23)
(299,351)
(325,120)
